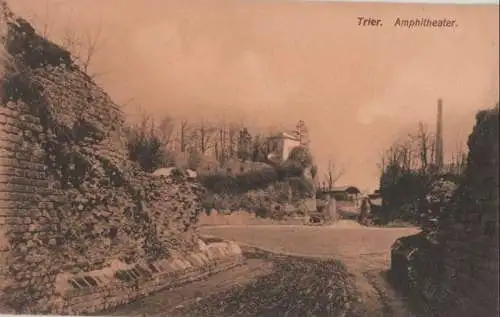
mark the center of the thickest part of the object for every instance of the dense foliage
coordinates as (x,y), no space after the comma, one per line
(409,175)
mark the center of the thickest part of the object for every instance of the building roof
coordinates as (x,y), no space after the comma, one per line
(343,189)
(348,189)
(284,135)
(374,196)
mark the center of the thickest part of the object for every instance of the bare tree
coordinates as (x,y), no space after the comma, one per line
(392,163)
(408,171)
(424,144)
(245,150)
(41,21)
(459,159)
(233,133)
(184,135)
(204,136)
(92,44)
(166,130)
(221,142)
(225,140)
(83,48)
(45,25)
(412,153)
(333,174)
(302,133)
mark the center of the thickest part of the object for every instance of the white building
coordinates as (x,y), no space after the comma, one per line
(280,145)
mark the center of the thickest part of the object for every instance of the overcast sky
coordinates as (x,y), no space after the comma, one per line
(275,62)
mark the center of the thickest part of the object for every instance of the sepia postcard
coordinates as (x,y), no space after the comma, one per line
(249,158)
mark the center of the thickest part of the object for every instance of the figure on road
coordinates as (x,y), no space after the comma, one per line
(364,211)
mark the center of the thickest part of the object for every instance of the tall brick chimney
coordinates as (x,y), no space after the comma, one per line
(439,156)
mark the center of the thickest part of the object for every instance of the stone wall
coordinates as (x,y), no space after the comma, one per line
(101,290)
(81,227)
(458,274)
(26,202)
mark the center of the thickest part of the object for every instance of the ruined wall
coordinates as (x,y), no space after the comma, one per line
(26,205)
(459,275)
(81,228)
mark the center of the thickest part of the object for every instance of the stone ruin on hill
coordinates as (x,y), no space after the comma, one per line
(81,227)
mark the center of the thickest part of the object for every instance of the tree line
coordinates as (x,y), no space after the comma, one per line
(408,170)
(155,143)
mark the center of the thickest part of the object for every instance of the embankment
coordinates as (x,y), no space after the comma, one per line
(216,218)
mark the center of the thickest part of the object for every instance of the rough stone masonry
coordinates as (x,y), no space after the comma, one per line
(81,227)
(458,276)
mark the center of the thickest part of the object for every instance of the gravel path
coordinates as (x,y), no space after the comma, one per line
(297,287)
(364,251)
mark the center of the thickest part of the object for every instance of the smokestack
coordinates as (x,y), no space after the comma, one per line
(439,135)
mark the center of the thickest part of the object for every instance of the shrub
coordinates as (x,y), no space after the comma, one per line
(194,160)
(145,148)
(301,156)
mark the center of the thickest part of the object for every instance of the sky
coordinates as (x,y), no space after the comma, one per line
(272,63)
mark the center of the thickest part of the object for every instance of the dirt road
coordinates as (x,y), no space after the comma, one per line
(269,285)
(298,287)
(363,250)
(311,271)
